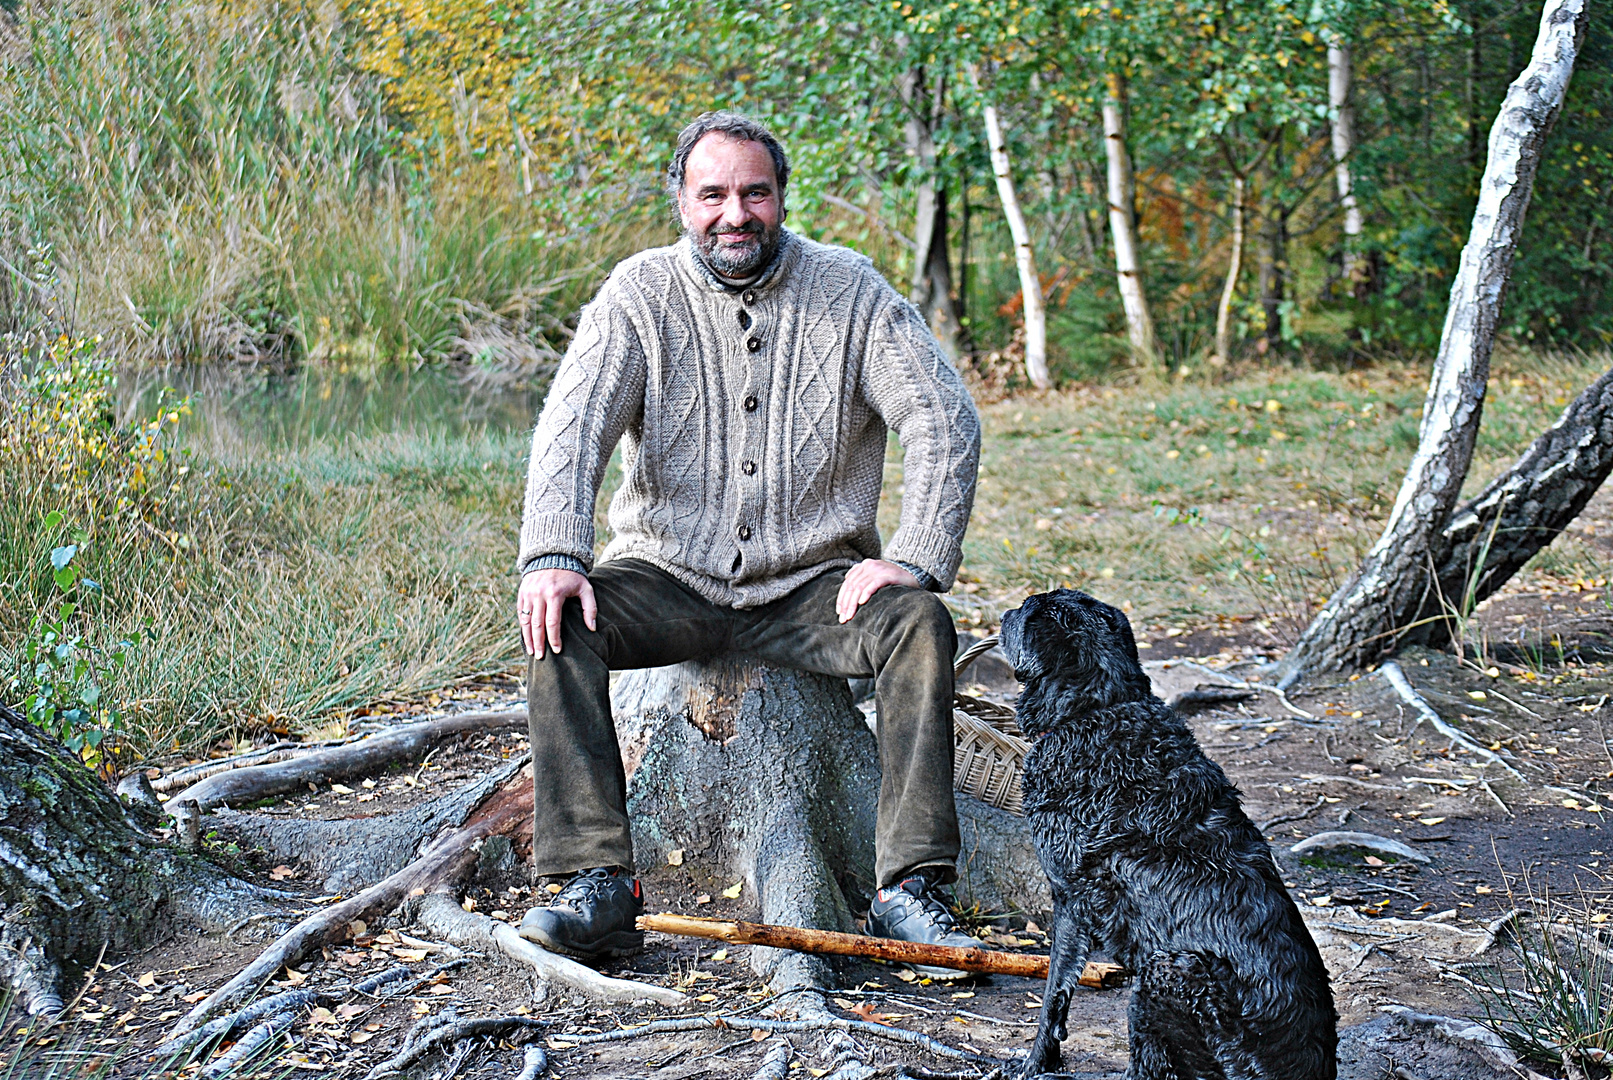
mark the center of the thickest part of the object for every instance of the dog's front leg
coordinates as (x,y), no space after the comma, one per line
(1071,942)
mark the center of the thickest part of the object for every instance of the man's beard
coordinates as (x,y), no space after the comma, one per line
(736,262)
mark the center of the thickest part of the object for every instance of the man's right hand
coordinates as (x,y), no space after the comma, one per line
(541,602)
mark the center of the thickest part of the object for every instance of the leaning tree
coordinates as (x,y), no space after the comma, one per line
(1436,559)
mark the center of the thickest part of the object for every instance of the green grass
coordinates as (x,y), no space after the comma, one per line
(1192,502)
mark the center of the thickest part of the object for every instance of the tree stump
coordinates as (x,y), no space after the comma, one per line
(765,774)
(771,776)
(79,877)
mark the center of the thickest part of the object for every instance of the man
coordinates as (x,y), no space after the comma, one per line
(751,375)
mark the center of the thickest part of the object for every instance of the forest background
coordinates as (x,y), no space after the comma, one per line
(383,184)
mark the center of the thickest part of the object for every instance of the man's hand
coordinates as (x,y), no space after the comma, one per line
(864,580)
(541,601)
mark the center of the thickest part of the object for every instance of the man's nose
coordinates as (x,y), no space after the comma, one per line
(734,211)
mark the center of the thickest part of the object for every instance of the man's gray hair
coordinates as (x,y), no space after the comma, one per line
(734,126)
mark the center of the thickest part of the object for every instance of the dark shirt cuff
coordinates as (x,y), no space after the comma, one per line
(925,580)
(556,562)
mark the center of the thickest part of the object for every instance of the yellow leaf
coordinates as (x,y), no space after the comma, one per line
(1477,695)
(906,976)
(1572,804)
(1172,455)
(720,955)
(707,997)
(733,891)
(410,956)
(341,789)
(1430,820)
(148,979)
(294,977)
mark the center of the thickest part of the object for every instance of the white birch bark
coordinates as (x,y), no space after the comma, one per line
(1122,200)
(1030,284)
(1223,311)
(1343,113)
(1369,615)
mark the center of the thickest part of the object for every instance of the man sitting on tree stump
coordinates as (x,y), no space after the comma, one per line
(753,374)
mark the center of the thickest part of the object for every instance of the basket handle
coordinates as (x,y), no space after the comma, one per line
(973,653)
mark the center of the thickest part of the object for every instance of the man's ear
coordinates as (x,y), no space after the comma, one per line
(683,215)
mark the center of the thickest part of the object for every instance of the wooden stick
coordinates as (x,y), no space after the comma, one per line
(985,961)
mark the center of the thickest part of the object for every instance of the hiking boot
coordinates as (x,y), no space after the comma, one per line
(912,910)
(590,917)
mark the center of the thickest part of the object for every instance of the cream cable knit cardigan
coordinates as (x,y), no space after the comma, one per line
(754,424)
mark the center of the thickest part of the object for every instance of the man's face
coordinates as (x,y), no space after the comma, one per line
(730,204)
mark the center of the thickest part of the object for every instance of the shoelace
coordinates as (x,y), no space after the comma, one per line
(582,888)
(935,908)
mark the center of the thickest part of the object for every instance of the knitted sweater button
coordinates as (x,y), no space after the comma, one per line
(750,403)
(750,296)
(744,532)
(753,343)
(748,468)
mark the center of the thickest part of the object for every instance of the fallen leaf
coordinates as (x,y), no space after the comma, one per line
(675,858)
(440,990)
(295,977)
(500,914)
(1430,820)
(865,1009)
(148,979)
(906,976)
(421,1008)
(372,1027)
(363,1037)
(280,873)
(357,927)
(341,789)
(1599,917)
(368,784)
(191,999)
(553,887)
(1477,695)
(733,891)
(409,956)
(964,994)
(703,898)
(321,1015)
(1373,860)
(469,903)
(1484,890)
(707,997)
(758,1035)
(350,1010)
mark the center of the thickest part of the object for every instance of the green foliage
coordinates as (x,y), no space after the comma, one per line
(64,673)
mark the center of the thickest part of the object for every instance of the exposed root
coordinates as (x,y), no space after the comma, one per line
(1396,677)
(33,975)
(776,1065)
(447,860)
(428,1036)
(292,1001)
(251,1043)
(351,854)
(713,1022)
(535,1062)
(280,751)
(367,755)
(446,919)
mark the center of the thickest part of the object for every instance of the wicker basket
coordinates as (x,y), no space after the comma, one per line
(989,750)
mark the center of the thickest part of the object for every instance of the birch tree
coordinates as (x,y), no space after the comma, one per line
(1122,194)
(1373,612)
(1030,283)
(1342,113)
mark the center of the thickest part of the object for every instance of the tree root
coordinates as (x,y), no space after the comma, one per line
(293,1000)
(435,1031)
(713,1022)
(337,763)
(280,751)
(533,1063)
(776,1065)
(350,854)
(447,920)
(447,860)
(1396,677)
(251,1043)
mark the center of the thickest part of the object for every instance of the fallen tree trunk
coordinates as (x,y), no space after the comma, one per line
(1369,616)
(78,875)
(405,742)
(1491,537)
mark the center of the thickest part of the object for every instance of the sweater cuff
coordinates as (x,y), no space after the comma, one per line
(556,562)
(937,553)
(925,580)
(546,534)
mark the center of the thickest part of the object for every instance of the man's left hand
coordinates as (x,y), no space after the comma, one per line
(864,580)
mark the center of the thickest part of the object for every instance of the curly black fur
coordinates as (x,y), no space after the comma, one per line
(1153,862)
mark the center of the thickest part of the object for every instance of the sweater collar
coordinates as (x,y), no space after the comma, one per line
(771,273)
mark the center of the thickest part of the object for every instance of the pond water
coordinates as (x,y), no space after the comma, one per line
(283,412)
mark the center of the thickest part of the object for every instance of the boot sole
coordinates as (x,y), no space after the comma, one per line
(621,943)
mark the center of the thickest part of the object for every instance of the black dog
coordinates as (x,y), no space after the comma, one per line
(1152,860)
